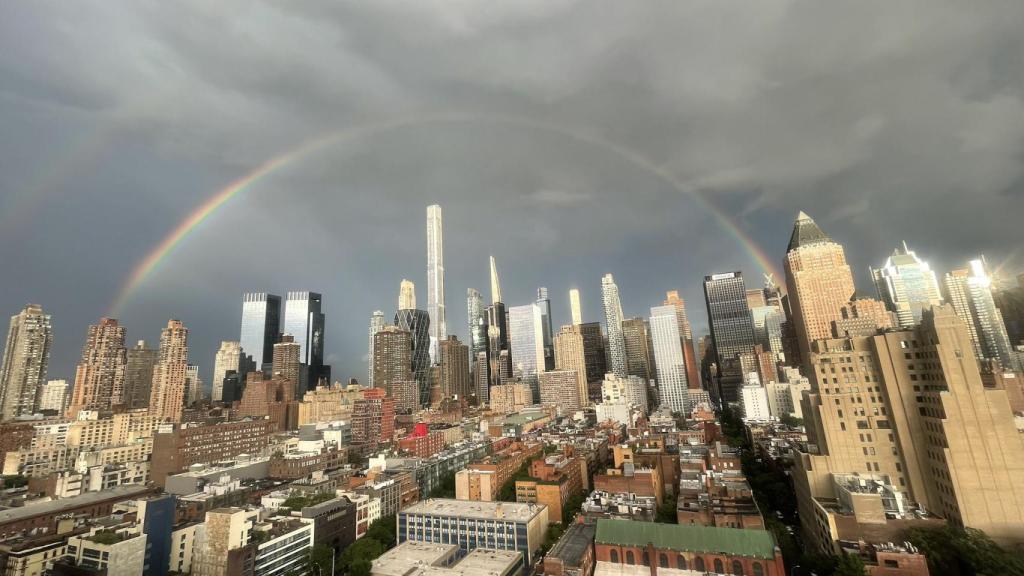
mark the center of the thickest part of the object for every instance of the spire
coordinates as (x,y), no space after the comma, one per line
(806,232)
(495,286)
(407,296)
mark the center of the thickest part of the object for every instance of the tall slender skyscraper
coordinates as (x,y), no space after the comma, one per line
(417,322)
(477,322)
(970,292)
(673,299)
(819,282)
(907,285)
(495,285)
(613,324)
(26,358)
(228,358)
(99,378)
(435,281)
(574,307)
(304,320)
(732,330)
(376,325)
(545,319)
(167,395)
(669,358)
(261,326)
(526,343)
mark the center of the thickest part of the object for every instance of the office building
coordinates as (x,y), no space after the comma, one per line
(477,322)
(435,280)
(907,285)
(392,365)
(970,293)
(304,320)
(417,323)
(288,365)
(639,358)
(261,325)
(495,284)
(26,358)
(526,344)
(594,351)
(613,324)
(732,329)
(138,374)
(574,307)
(482,379)
(818,280)
(767,321)
(498,342)
(177,447)
(544,303)
(99,377)
(754,404)
(454,370)
(167,394)
(673,299)
(193,385)
(376,325)
(229,357)
(668,346)
(570,356)
(903,412)
(473,524)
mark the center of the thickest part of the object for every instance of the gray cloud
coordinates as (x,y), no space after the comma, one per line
(567,138)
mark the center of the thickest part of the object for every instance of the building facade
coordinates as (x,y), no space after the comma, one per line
(261,325)
(613,324)
(26,359)
(167,394)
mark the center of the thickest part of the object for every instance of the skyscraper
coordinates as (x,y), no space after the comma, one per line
(638,353)
(193,385)
(99,378)
(392,364)
(526,344)
(818,279)
(495,285)
(435,280)
(669,358)
(686,333)
(497,340)
(907,285)
(288,364)
(261,326)
(167,394)
(545,320)
(570,355)
(228,358)
(26,358)
(574,306)
(613,325)
(732,331)
(477,322)
(454,369)
(417,322)
(376,325)
(970,292)
(138,377)
(305,322)
(594,352)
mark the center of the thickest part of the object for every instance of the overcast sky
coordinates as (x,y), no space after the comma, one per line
(569,139)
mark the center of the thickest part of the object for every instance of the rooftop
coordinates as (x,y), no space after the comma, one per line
(53,506)
(687,538)
(572,545)
(408,555)
(474,509)
(806,232)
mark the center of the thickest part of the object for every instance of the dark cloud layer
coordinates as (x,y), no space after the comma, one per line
(567,138)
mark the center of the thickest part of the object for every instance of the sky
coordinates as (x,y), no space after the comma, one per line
(567,138)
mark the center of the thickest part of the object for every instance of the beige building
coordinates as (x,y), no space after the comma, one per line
(229,357)
(167,395)
(454,369)
(907,413)
(510,397)
(222,544)
(99,378)
(26,358)
(570,356)
(328,403)
(562,389)
(819,282)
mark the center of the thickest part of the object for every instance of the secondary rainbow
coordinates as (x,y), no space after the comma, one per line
(166,247)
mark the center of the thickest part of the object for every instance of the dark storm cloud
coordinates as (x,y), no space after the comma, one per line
(558,136)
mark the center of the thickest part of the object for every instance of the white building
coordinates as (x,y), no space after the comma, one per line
(183,542)
(615,412)
(283,549)
(613,325)
(229,357)
(669,359)
(54,396)
(631,390)
(754,399)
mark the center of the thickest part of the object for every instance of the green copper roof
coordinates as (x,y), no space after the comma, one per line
(687,538)
(805,232)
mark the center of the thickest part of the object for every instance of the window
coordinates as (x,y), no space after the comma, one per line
(629,558)
(614,556)
(758,570)
(681,563)
(663,561)
(737,568)
(698,564)
(719,568)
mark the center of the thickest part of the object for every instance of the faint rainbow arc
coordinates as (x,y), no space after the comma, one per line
(152,260)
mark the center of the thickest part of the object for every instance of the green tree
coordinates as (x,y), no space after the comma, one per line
(364,549)
(791,421)
(383,531)
(360,567)
(850,565)
(952,550)
(319,558)
(666,513)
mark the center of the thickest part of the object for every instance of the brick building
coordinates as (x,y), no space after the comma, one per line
(553,481)
(177,447)
(273,397)
(373,419)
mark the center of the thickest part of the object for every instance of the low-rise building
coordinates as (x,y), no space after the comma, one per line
(281,546)
(573,554)
(483,480)
(553,481)
(119,552)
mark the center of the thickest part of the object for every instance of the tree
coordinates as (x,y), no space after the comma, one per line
(383,531)
(666,513)
(360,567)
(791,421)
(364,549)
(320,556)
(952,550)
(850,565)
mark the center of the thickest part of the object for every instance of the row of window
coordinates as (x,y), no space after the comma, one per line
(697,564)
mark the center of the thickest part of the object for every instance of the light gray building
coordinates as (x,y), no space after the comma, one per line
(435,281)
(668,358)
(907,285)
(526,344)
(613,326)
(26,359)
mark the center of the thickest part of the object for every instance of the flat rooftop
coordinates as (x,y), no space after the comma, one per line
(403,558)
(54,506)
(574,543)
(487,562)
(474,509)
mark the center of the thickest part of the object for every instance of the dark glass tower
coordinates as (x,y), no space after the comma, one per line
(261,325)
(304,320)
(732,329)
(418,323)
(545,320)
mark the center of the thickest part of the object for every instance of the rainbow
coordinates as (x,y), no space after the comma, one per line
(152,260)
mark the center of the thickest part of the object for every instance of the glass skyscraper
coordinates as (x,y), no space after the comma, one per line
(970,292)
(526,336)
(376,325)
(669,359)
(418,323)
(261,326)
(545,320)
(907,285)
(732,328)
(435,281)
(305,322)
